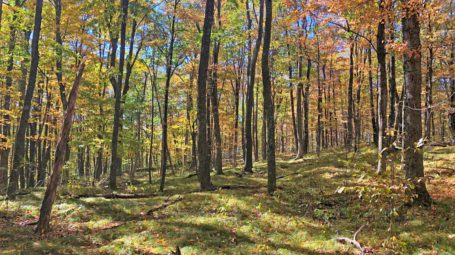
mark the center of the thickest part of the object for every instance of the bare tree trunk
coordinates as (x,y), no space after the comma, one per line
(116,163)
(319,106)
(300,132)
(51,190)
(374,124)
(169,71)
(268,102)
(6,131)
(349,126)
(19,146)
(203,150)
(429,87)
(306,109)
(382,92)
(412,130)
(250,93)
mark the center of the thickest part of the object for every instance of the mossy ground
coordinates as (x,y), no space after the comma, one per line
(317,200)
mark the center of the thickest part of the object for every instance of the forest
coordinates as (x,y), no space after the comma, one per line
(227,127)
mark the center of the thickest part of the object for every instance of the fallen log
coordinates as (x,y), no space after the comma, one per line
(117,196)
(164,205)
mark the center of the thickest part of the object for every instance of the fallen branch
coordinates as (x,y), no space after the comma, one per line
(164,205)
(353,241)
(115,196)
(237,187)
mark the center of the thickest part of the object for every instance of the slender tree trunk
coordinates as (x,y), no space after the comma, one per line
(51,190)
(382,92)
(306,109)
(268,102)
(349,134)
(19,146)
(451,113)
(300,132)
(116,163)
(429,88)
(250,93)
(218,162)
(169,72)
(412,130)
(319,119)
(291,98)
(80,161)
(6,131)
(203,150)
(371,94)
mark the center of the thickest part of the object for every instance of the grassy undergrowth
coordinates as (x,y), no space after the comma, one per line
(318,199)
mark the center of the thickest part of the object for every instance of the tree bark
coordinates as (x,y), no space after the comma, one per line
(268,102)
(374,125)
(169,71)
(218,162)
(250,94)
(115,160)
(51,190)
(412,130)
(349,134)
(6,131)
(306,109)
(382,91)
(203,150)
(19,146)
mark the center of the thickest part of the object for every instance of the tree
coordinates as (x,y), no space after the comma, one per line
(203,167)
(412,129)
(116,163)
(51,190)
(250,93)
(269,107)
(382,90)
(19,145)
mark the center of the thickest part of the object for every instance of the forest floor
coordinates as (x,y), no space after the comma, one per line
(318,200)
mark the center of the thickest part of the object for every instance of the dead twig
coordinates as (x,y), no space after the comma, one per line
(353,241)
(164,205)
(117,196)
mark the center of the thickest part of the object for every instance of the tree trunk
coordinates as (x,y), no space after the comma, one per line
(116,163)
(412,130)
(250,93)
(6,131)
(19,146)
(51,190)
(218,163)
(349,126)
(268,102)
(300,132)
(169,72)
(203,150)
(374,125)
(319,121)
(429,88)
(306,109)
(382,92)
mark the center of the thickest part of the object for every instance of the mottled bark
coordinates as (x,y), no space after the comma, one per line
(203,150)
(412,119)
